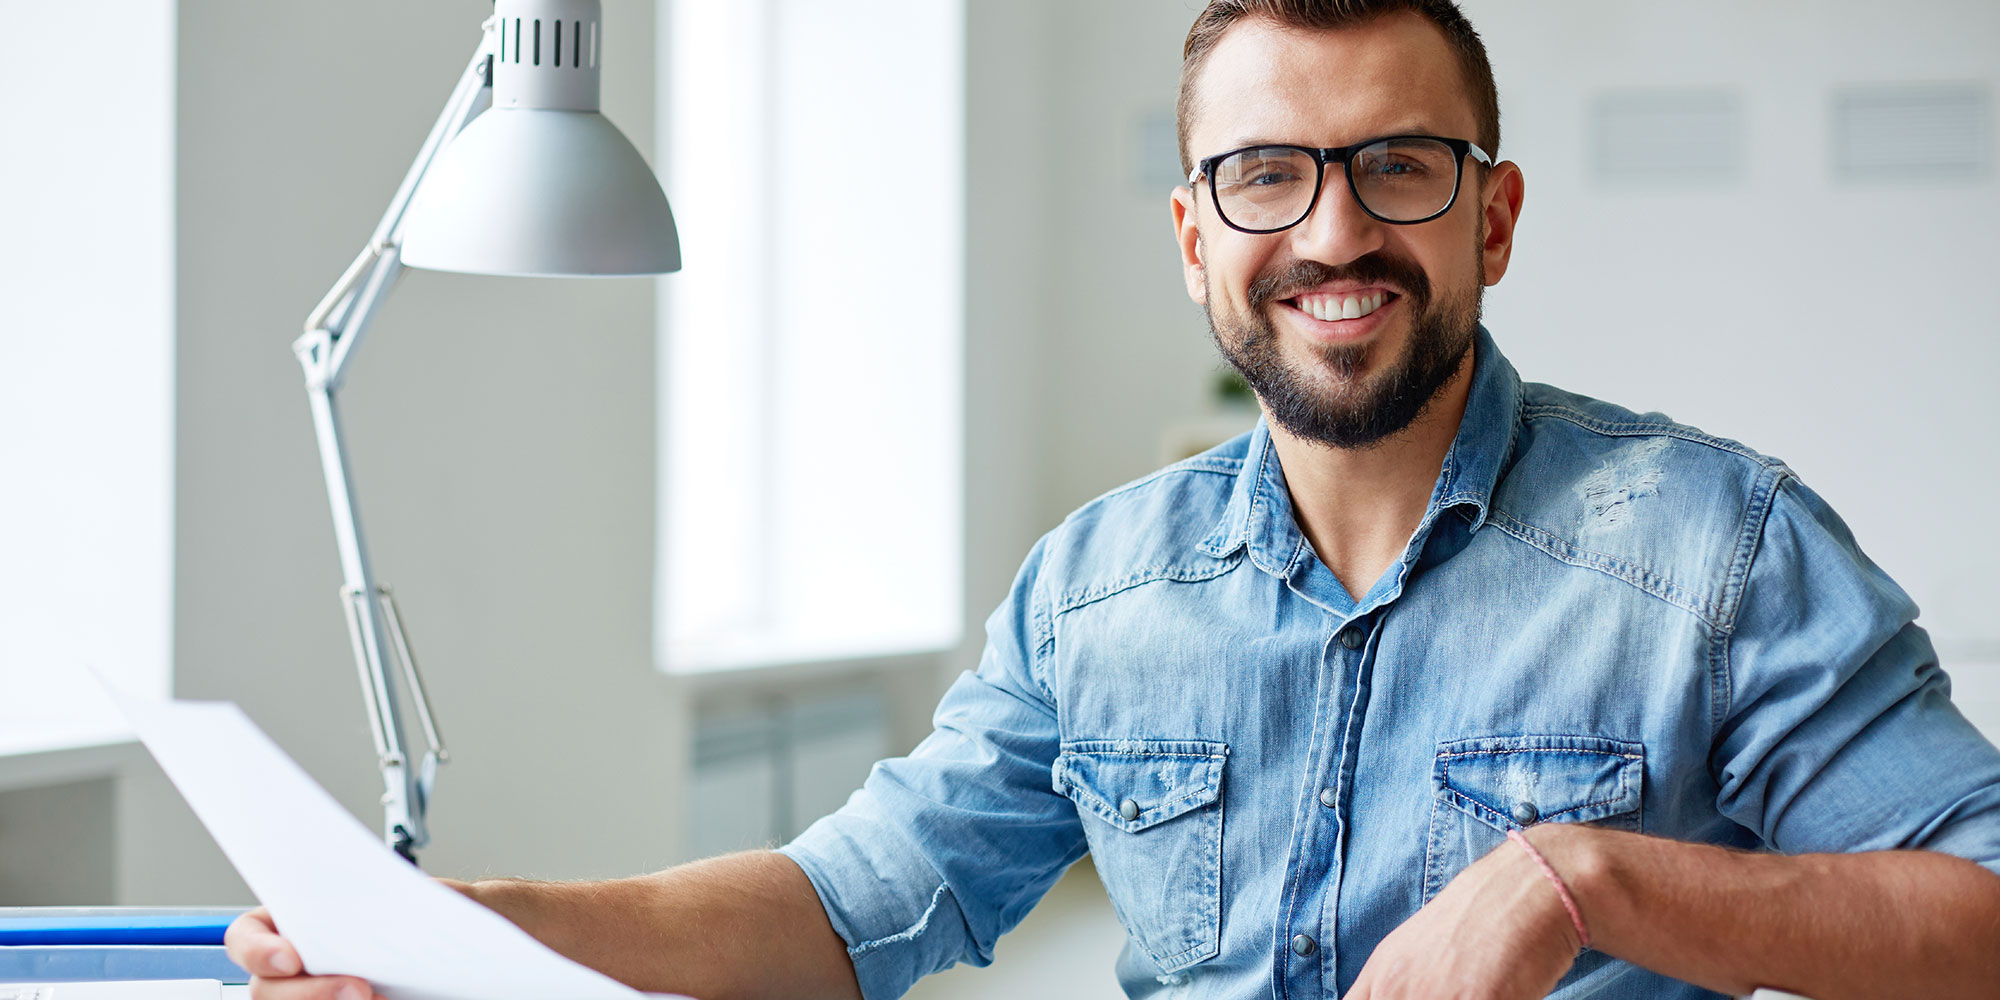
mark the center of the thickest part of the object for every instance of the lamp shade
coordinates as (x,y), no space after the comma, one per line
(541,192)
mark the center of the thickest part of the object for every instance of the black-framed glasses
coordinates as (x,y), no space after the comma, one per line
(1398,179)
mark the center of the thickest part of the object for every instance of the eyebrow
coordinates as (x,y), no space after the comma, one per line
(1244,142)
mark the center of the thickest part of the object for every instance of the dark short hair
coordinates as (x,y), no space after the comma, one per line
(1216,19)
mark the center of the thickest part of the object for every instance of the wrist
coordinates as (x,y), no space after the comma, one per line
(1579,858)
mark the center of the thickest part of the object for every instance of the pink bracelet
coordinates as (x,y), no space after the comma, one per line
(1569,902)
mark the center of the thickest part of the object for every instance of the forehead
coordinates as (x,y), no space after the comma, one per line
(1263,82)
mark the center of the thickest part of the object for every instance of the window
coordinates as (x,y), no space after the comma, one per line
(810,351)
(86,370)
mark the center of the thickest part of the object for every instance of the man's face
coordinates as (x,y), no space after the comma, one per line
(1352,382)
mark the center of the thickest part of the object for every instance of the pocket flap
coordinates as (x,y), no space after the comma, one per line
(1513,781)
(1134,784)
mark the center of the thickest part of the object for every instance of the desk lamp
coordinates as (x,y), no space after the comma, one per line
(519,176)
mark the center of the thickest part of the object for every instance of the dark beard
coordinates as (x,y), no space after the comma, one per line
(1354,415)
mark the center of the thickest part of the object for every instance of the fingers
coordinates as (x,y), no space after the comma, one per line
(310,988)
(252,942)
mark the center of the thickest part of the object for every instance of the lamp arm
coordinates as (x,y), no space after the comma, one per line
(332,330)
(348,308)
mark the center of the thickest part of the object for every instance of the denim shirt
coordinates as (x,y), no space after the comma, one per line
(1604,617)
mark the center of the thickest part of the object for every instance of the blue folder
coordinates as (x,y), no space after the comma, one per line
(56,943)
(66,925)
(57,963)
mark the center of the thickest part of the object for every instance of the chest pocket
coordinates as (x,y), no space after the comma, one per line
(1489,785)
(1152,811)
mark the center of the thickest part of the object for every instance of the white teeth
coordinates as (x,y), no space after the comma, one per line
(1328,308)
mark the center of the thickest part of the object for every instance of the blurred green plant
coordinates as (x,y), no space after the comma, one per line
(1230,392)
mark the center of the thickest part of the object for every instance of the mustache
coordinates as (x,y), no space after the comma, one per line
(1375,268)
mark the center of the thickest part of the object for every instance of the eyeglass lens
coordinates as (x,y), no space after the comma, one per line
(1272,187)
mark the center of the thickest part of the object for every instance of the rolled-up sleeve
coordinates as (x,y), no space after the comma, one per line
(1840,734)
(944,850)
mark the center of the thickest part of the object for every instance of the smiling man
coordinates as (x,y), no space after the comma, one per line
(1436,684)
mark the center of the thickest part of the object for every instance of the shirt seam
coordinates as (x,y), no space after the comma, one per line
(1647,581)
(1170,572)
(1455,754)
(1206,466)
(1637,428)
(1041,620)
(1749,542)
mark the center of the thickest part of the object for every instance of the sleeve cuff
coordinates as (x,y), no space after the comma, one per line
(895,934)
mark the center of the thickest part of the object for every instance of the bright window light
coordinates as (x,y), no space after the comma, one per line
(86,371)
(811,383)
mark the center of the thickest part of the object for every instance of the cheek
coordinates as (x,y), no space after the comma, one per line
(1451,260)
(1230,267)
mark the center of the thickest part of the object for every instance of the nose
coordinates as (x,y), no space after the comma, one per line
(1337,230)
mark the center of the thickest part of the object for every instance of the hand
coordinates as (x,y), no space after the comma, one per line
(276,973)
(1497,932)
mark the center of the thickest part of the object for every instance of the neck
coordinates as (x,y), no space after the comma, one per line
(1359,507)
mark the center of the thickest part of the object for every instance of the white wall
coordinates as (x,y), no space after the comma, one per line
(1013,77)
(1126,353)
(501,437)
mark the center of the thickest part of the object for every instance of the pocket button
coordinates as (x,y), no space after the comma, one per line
(1128,809)
(1524,813)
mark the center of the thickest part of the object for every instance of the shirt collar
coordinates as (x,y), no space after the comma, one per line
(1259,513)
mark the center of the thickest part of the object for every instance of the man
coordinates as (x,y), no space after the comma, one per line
(1435,684)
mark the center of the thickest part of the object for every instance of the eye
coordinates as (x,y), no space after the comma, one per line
(1271,178)
(1265,170)
(1396,168)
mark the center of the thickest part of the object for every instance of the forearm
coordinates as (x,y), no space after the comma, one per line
(1827,926)
(743,926)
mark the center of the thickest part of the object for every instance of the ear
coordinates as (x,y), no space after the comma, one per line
(1182,204)
(1500,199)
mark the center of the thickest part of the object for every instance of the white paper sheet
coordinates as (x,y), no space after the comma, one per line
(350,905)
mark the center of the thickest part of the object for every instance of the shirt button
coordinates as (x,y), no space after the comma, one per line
(1352,637)
(1304,945)
(1525,814)
(1130,810)
(1327,798)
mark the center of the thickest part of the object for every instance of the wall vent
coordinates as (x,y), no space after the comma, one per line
(1912,132)
(1660,138)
